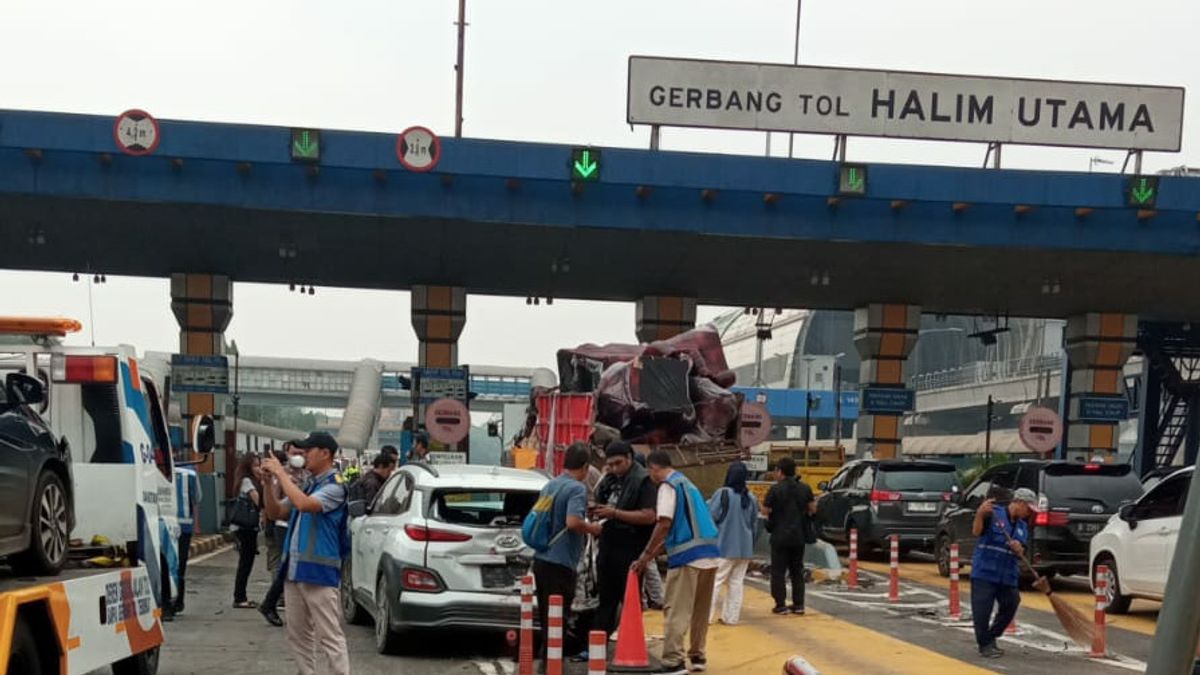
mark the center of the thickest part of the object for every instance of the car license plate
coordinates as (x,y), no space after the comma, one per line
(1087,528)
(921,507)
(502,576)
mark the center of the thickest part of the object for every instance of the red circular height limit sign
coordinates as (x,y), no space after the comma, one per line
(447,420)
(136,132)
(418,149)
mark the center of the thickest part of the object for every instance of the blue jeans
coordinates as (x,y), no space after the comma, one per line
(985,594)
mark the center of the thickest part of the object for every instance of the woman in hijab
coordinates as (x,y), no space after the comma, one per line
(735,512)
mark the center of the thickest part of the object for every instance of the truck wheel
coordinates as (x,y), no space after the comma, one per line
(145,663)
(24,659)
(48,529)
(352,613)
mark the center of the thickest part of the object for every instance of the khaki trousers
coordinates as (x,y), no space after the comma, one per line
(688,601)
(314,626)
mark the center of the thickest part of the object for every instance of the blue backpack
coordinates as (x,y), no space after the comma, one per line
(537,530)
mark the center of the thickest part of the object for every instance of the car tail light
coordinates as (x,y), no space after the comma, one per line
(947,496)
(1051,518)
(422,581)
(885,496)
(422,533)
(1091,467)
(83,369)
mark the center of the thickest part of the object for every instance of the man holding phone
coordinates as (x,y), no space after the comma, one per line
(996,566)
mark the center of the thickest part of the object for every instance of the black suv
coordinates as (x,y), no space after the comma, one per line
(1075,501)
(36,513)
(885,497)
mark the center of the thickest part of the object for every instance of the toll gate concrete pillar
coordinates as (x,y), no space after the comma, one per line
(203,306)
(1098,345)
(884,335)
(662,316)
(438,315)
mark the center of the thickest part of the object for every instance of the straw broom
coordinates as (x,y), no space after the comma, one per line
(1078,626)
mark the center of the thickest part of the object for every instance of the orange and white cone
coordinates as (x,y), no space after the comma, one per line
(554,637)
(1099,639)
(525,650)
(894,581)
(955,597)
(597,653)
(852,582)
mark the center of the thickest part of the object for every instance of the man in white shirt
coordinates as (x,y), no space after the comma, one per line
(686,528)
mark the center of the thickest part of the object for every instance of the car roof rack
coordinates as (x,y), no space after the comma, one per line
(428,467)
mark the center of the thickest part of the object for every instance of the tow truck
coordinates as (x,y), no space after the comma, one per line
(104,609)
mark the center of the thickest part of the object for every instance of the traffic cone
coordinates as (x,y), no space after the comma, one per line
(631,634)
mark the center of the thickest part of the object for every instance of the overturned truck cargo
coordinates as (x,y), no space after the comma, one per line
(671,395)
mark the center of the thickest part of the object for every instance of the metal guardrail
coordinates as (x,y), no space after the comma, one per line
(983,372)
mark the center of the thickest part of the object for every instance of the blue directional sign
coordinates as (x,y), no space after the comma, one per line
(888,400)
(1101,409)
(199,374)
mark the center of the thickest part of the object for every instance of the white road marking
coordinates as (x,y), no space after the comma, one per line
(486,667)
(210,554)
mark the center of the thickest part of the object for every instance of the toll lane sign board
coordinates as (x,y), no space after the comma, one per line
(857,102)
(199,374)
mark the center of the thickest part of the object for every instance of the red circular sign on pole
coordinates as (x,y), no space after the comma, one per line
(447,420)
(136,132)
(418,149)
(1041,430)
(756,424)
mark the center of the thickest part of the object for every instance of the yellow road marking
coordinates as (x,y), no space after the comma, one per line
(762,642)
(1142,617)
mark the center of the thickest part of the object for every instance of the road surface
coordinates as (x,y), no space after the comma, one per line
(846,632)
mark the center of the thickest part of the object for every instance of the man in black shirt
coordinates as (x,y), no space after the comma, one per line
(626,499)
(368,486)
(788,506)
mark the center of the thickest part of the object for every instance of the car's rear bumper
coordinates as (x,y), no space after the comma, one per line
(921,536)
(456,609)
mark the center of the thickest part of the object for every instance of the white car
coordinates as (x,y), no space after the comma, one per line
(440,547)
(1139,541)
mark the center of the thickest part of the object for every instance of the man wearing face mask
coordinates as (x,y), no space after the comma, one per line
(279,513)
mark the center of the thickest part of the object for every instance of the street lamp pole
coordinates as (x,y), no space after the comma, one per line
(987,437)
(458,69)
(795,62)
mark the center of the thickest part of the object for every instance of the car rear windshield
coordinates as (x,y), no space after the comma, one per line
(1082,486)
(916,478)
(482,508)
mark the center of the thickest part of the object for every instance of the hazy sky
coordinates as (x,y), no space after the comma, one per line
(544,70)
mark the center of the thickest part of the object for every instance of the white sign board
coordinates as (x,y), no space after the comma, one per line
(855,102)
(757,461)
(447,458)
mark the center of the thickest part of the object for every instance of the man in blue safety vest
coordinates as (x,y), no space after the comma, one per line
(317,542)
(685,526)
(187,499)
(995,566)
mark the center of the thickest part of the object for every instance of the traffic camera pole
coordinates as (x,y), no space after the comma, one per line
(1174,648)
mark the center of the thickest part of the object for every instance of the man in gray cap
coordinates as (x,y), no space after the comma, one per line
(996,568)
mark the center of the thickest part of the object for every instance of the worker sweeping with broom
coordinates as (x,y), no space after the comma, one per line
(996,566)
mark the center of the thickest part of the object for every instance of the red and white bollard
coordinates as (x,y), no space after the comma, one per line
(955,598)
(525,650)
(554,637)
(894,582)
(1099,640)
(852,582)
(597,653)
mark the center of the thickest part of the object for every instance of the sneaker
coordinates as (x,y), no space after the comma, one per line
(699,665)
(271,616)
(990,652)
(781,610)
(796,609)
(669,669)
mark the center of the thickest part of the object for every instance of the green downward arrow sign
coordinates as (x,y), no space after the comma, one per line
(1142,193)
(855,181)
(304,146)
(585,166)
